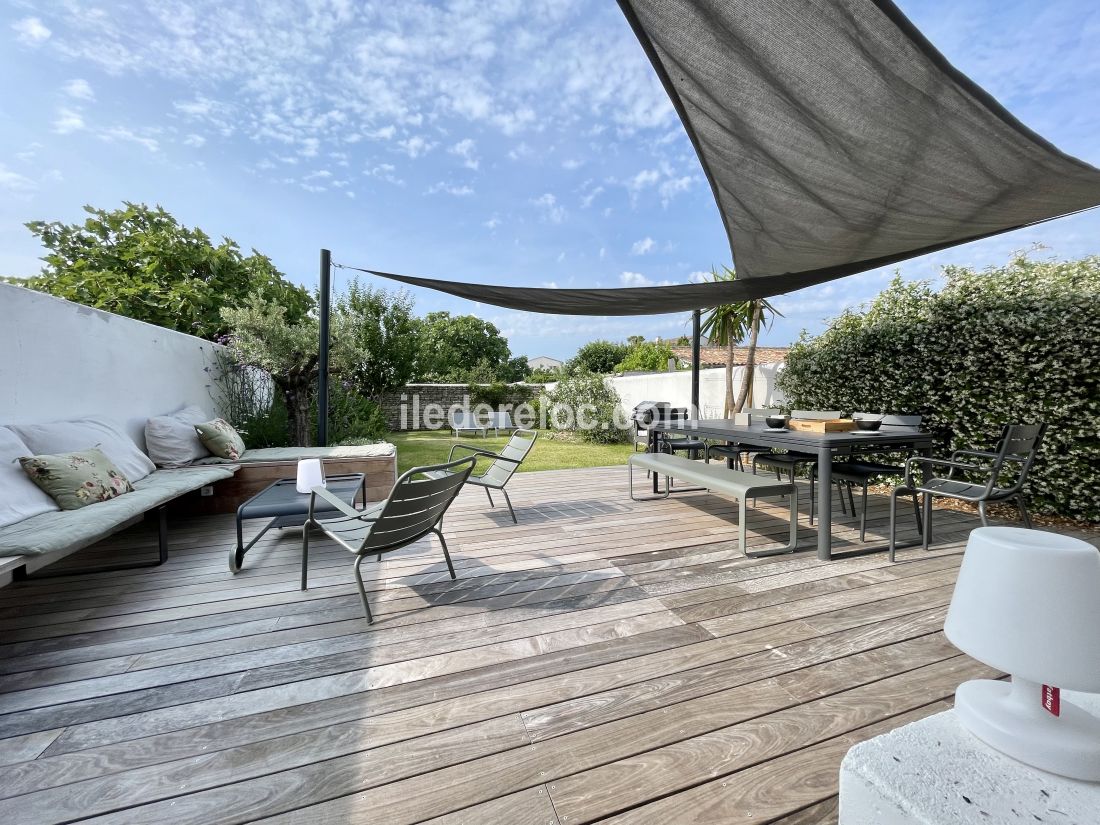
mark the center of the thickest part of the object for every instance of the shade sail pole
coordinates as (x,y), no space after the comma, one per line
(322,359)
(696,335)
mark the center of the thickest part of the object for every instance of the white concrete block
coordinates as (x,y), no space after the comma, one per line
(934,772)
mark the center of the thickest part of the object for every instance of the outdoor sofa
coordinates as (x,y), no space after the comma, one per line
(34,532)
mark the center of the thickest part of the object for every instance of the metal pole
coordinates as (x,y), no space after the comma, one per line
(696,324)
(322,359)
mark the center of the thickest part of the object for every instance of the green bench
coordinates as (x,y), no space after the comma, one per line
(718,479)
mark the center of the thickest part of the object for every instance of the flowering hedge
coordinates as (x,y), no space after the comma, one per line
(1012,344)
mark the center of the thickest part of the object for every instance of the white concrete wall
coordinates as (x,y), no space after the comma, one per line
(62,360)
(675,387)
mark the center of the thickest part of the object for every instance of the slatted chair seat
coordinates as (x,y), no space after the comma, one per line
(504,465)
(415,508)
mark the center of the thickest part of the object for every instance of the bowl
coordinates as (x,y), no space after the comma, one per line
(776,422)
(868,424)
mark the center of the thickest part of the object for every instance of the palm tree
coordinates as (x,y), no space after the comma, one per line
(727,325)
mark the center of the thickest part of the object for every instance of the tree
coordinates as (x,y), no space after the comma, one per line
(382,337)
(599,357)
(460,348)
(263,337)
(138,261)
(727,325)
(648,356)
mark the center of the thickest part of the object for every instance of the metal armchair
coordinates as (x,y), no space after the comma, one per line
(500,471)
(415,507)
(979,479)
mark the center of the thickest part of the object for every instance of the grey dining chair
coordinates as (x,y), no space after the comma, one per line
(979,479)
(791,460)
(739,453)
(853,472)
(415,507)
(504,465)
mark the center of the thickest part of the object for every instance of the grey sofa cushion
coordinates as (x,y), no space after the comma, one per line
(171,440)
(73,529)
(297,453)
(82,433)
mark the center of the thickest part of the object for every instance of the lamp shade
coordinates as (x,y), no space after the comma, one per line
(311,473)
(1028,602)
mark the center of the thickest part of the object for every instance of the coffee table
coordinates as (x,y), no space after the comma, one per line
(286,507)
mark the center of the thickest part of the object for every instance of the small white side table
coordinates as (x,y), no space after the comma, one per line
(934,772)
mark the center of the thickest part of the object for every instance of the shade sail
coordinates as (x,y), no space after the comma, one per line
(836,139)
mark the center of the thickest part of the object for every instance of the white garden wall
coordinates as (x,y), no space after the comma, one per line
(62,360)
(675,387)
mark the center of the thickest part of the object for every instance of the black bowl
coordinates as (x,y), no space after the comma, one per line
(776,422)
(869,424)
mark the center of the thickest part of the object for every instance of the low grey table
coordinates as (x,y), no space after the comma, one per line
(823,445)
(286,507)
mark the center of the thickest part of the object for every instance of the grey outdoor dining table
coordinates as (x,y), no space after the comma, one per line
(824,445)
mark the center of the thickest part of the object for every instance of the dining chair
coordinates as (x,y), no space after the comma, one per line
(791,460)
(739,453)
(979,479)
(852,472)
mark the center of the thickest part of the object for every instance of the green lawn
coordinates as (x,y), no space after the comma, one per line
(552,451)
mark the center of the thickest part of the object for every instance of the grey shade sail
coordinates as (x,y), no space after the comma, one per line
(836,139)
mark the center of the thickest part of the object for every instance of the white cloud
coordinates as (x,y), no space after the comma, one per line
(572,163)
(492,223)
(67,121)
(549,285)
(591,195)
(551,209)
(79,89)
(644,246)
(647,177)
(465,150)
(15,183)
(638,279)
(122,134)
(450,189)
(194,140)
(603,253)
(415,146)
(386,172)
(699,277)
(31,31)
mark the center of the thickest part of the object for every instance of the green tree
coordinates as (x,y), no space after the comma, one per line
(460,348)
(382,338)
(727,325)
(138,261)
(264,337)
(599,357)
(648,356)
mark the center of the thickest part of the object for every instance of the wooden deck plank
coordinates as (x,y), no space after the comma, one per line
(596,638)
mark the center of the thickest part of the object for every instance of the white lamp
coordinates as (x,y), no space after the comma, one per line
(311,473)
(1028,602)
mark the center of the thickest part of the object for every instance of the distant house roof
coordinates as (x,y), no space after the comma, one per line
(716,356)
(545,359)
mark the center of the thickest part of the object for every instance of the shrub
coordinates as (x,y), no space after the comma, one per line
(597,356)
(648,356)
(583,398)
(352,416)
(1018,343)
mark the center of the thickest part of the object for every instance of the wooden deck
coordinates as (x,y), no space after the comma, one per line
(604,661)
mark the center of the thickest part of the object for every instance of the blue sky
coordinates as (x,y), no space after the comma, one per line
(505,141)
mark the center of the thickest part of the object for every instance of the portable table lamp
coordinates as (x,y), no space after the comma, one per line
(311,473)
(1028,602)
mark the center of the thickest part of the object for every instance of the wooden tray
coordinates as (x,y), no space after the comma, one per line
(832,425)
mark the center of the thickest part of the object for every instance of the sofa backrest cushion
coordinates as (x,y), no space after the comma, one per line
(20,498)
(82,434)
(171,440)
(75,480)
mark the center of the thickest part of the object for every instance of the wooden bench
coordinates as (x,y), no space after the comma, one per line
(717,478)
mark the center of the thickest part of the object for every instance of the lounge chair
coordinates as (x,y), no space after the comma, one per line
(504,464)
(465,421)
(416,507)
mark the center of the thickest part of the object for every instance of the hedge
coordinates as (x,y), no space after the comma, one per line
(1013,344)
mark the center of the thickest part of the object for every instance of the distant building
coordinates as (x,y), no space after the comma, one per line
(716,356)
(544,362)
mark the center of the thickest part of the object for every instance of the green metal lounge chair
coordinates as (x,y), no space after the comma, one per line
(504,464)
(416,507)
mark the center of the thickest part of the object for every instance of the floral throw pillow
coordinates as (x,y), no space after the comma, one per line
(219,437)
(75,480)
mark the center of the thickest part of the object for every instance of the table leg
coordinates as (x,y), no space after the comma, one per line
(652,448)
(824,503)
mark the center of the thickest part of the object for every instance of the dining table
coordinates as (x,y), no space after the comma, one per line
(825,445)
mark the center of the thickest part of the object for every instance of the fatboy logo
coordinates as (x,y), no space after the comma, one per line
(1052,699)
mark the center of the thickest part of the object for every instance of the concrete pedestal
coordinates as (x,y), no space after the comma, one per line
(934,772)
